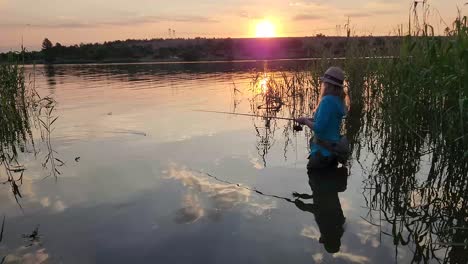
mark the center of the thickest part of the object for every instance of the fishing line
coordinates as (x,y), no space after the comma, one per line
(255,190)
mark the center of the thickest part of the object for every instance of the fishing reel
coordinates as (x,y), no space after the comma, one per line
(297,128)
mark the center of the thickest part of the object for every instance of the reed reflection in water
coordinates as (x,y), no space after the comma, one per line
(138,160)
(416,185)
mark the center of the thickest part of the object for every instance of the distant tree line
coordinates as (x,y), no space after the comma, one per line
(204,49)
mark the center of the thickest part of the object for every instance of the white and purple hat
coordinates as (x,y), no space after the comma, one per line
(334,75)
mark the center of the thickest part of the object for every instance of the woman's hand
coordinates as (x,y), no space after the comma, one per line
(305,121)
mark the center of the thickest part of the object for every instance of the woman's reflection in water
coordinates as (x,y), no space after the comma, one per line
(326,183)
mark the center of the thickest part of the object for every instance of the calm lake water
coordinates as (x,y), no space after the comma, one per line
(148,180)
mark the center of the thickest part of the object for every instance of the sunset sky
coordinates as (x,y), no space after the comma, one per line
(74,22)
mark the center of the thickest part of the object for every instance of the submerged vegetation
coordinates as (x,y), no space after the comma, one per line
(411,115)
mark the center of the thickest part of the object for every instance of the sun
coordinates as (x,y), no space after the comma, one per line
(265,29)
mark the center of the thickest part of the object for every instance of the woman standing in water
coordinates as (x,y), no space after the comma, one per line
(327,146)
(325,184)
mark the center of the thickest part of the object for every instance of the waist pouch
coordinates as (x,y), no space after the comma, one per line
(340,149)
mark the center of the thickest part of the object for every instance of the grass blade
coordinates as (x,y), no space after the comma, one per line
(3,226)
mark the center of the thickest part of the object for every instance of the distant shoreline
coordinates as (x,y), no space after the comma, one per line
(201,61)
(203,50)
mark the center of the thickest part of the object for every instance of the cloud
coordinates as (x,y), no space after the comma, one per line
(351,257)
(245,14)
(318,258)
(383,8)
(218,197)
(310,232)
(256,163)
(57,206)
(358,14)
(373,9)
(376,5)
(309,3)
(157,19)
(45,202)
(368,9)
(73,23)
(30,257)
(302,17)
(313,10)
(368,234)
(191,210)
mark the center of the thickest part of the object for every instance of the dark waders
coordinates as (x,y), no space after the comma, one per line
(325,184)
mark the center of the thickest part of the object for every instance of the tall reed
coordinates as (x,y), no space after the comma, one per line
(410,113)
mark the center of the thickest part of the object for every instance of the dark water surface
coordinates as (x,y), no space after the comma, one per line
(156,182)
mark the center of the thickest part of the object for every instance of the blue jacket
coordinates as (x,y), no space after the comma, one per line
(327,122)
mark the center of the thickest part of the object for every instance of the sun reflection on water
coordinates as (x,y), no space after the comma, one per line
(262,87)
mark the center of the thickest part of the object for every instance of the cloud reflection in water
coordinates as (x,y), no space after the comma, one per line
(207,198)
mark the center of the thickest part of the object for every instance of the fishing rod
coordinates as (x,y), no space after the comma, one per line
(252,115)
(243,114)
(296,127)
